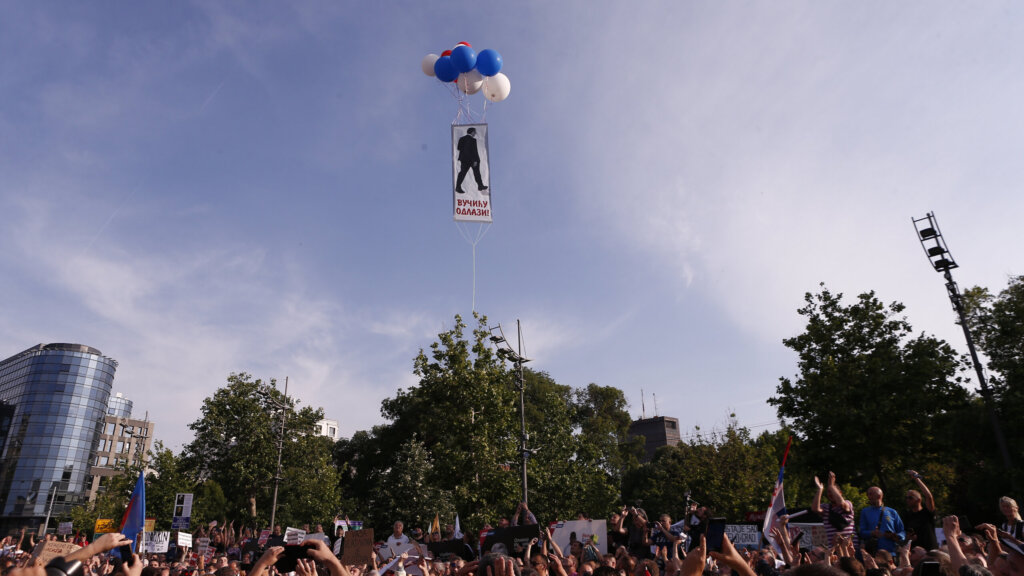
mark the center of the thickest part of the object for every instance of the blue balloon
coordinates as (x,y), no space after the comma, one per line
(445,70)
(488,62)
(464,58)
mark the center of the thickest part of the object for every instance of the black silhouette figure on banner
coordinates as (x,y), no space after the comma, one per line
(469,157)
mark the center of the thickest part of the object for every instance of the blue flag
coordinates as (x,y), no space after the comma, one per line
(134,520)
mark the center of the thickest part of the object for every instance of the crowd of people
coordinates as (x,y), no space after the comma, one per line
(876,541)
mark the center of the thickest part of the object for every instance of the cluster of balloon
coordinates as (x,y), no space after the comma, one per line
(471,71)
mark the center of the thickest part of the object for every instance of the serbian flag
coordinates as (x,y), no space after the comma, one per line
(778,507)
(134,520)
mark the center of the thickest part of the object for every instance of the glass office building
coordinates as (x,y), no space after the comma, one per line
(53,400)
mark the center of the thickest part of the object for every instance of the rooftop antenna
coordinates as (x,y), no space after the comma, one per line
(655,404)
(643,407)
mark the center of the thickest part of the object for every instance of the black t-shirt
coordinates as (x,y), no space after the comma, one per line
(616,539)
(922,523)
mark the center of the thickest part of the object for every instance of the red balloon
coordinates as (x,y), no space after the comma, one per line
(464,44)
(446,53)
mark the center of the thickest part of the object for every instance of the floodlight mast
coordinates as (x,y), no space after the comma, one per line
(506,352)
(935,249)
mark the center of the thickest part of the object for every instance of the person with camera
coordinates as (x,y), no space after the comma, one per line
(881,527)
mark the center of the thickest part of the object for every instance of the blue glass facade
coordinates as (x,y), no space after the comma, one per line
(53,398)
(119,407)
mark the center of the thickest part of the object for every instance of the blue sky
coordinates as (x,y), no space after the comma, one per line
(200,188)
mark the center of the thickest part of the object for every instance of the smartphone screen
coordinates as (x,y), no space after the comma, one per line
(126,555)
(287,562)
(713,537)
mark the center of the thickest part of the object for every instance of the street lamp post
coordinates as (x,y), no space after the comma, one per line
(280,447)
(517,358)
(935,249)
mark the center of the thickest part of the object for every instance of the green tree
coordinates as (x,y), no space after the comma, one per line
(111,500)
(235,446)
(871,400)
(462,412)
(167,478)
(409,491)
(997,324)
(727,471)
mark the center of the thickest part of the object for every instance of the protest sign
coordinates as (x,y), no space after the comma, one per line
(65,528)
(203,544)
(264,536)
(46,551)
(581,531)
(814,534)
(294,536)
(105,526)
(358,547)
(446,550)
(184,539)
(511,540)
(411,549)
(157,542)
(744,535)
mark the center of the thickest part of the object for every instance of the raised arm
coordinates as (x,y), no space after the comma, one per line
(321,553)
(834,495)
(816,502)
(951,528)
(101,545)
(927,500)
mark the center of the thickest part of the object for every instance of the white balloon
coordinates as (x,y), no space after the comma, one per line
(497,87)
(428,64)
(471,82)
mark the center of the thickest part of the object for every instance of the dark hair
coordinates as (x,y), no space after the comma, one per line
(851,566)
(488,560)
(607,571)
(816,569)
(971,569)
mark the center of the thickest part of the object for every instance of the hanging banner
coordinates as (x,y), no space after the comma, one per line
(471,173)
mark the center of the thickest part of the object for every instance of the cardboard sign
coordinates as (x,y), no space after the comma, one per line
(65,528)
(150,524)
(105,526)
(582,530)
(814,534)
(157,542)
(294,536)
(744,535)
(204,545)
(396,550)
(184,539)
(46,551)
(511,540)
(358,547)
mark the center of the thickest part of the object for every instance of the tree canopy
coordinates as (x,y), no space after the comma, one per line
(235,445)
(867,387)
